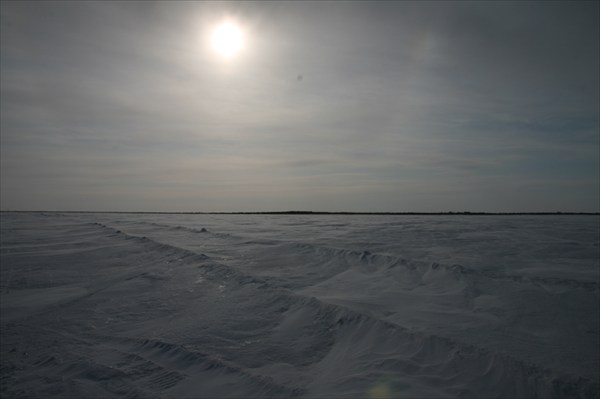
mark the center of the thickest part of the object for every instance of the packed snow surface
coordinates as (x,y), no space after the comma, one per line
(309,306)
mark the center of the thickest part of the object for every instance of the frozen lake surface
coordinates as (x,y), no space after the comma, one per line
(310,306)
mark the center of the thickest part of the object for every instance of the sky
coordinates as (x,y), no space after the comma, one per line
(329,106)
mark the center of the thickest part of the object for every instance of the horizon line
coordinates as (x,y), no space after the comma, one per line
(474,213)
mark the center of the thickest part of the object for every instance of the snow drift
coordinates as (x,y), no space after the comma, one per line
(115,305)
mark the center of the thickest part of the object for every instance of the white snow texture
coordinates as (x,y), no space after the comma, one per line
(309,306)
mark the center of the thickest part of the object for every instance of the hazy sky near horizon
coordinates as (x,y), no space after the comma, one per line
(333,106)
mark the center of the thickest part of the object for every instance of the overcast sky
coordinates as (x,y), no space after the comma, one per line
(333,106)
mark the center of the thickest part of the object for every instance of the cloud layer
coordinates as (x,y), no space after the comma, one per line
(401,106)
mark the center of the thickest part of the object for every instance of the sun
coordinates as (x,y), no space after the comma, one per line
(227,39)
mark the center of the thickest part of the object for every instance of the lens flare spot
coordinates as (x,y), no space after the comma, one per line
(380,391)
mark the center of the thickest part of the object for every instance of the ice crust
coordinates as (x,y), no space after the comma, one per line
(310,306)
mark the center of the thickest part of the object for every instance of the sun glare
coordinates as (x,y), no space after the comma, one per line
(227,39)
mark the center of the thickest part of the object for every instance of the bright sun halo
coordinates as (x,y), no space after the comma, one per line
(227,39)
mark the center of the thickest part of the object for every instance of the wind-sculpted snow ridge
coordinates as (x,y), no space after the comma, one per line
(124,308)
(367,259)
(372,262)
(185,362)
(176,228)
(158,246)
(458,356)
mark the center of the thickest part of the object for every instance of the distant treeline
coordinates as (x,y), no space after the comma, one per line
(328,213)
(399,213)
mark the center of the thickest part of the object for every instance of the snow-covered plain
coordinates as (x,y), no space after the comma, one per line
(311,306)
